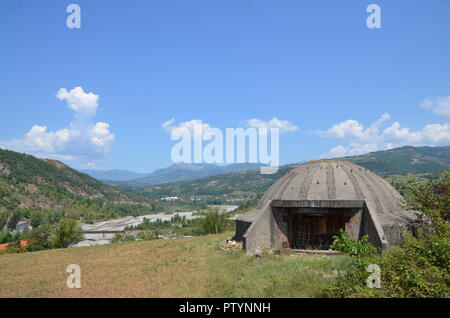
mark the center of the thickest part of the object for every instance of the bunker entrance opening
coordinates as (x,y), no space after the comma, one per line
(315,231)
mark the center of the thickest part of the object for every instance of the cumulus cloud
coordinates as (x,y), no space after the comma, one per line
(352,149)
(440,106)
(82,142)
(353,129)
(362,139)
(282,125)
(84,104)
(196,127)
(432,134)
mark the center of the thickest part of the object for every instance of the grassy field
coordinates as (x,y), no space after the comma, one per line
(194,267)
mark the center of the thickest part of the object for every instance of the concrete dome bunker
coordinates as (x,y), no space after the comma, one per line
(312,202)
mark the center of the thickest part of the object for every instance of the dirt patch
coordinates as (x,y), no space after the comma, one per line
(4,169)
(32,188)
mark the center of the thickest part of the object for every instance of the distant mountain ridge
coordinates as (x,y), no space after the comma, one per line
(399,161)
(402,160)
(113,175)
(183,172)
(405,160)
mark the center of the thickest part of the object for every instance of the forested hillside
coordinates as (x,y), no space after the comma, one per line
(405,160)
(31,186)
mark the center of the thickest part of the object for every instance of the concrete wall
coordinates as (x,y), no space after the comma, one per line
(280,228)
(270,231)
(368,228)
(259,233)
(241,228)
(394,233)
(353,225)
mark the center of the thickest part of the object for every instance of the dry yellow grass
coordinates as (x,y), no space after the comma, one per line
(193,267)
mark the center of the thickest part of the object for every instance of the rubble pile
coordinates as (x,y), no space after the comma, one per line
(231,245)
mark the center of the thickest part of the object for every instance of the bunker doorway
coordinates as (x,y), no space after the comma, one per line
(315,231)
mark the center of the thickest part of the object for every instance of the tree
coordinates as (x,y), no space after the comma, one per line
(67,232)
(214,222)
(431,199)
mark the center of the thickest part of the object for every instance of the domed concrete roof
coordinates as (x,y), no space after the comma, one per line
(338,180)
(327,184)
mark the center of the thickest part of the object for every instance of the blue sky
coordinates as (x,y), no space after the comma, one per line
(314,65)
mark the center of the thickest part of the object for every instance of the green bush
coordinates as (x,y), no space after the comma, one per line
(39,238)
(353,282)
(147,236)
(414,271)
(420,267)
(13,250)
(67,232)
(6,237)
(344,243)
(119,237)
(214,222)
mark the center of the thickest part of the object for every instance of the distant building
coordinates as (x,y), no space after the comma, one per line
(22,226)
(170,199)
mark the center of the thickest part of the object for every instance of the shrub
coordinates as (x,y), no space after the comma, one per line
(6,237)
(353,282)
(119,237)
(13,250)
(214,222)
(67,232)
(420,267)
(413,270)
(344,243)
(147,236)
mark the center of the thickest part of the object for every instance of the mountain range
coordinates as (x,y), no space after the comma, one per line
(248,184)
(173,173)
(27,182)
(402,160)
(114,175)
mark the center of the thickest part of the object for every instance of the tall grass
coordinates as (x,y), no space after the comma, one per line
(234,274)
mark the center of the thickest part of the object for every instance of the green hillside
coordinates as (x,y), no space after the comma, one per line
(236,185)
(29,184)
(405,160)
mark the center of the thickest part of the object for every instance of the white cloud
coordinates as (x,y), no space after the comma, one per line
(440,106)
(282,125)
(363,139)
(196,127)
(432,134)
(353,149)
(354,129)
(83,141)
